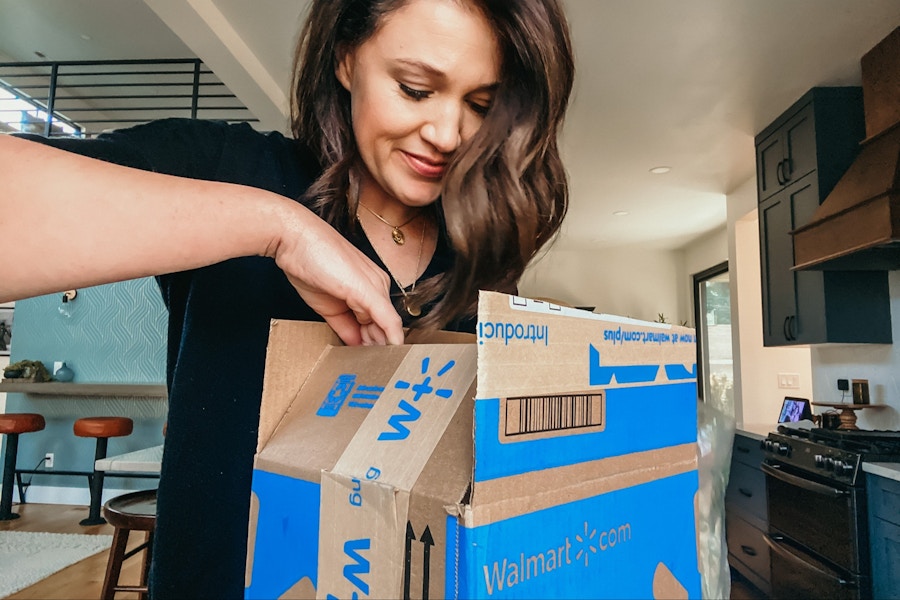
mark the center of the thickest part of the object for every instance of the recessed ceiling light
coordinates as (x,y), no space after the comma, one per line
(660,170)
(85,37)
(620,213)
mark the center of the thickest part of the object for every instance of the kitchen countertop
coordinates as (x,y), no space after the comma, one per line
(756,431)
(889,470)
(148,460)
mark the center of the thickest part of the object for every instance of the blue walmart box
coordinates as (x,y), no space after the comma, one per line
(551,455)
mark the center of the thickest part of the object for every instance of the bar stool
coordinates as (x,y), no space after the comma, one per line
(135,511)
(101,428)
(14,424)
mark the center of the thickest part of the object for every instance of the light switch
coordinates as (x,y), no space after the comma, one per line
(789,381)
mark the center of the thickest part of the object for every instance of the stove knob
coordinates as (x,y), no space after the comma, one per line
(767,445)
(783,449)
(847,470)
(829,463)
(819,461)
(838,467)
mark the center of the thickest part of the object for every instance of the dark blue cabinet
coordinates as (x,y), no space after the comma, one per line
(884,535)
(746,516)
(799,159)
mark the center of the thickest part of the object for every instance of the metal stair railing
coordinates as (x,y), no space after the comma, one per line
(85,98)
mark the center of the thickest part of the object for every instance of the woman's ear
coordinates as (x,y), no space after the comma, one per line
(344,66)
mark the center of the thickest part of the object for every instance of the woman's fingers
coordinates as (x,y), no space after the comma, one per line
(338,281)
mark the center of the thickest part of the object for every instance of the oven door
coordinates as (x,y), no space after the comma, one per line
(827,519)
(797,574)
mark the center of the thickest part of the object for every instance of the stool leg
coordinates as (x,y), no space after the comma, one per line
(9,474)
(145,570)
(94,517)
(114,564)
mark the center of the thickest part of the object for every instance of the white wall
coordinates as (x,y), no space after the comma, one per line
(696,257)
(629,281)
(879,363)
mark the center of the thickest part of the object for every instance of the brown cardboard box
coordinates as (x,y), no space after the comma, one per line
(551,455)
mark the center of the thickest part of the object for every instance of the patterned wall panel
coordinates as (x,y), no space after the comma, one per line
(111,333)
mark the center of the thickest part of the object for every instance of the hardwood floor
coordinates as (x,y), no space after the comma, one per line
(83,580)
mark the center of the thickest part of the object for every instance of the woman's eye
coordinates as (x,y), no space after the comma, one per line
(414,93)
(480,109)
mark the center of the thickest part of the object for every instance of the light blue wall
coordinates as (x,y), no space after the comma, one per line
(112,334)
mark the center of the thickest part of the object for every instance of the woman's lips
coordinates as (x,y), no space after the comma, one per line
(425,167)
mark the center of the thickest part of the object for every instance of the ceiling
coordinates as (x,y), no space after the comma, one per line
(678,83)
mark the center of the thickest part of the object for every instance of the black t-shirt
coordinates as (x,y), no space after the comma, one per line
(217,335)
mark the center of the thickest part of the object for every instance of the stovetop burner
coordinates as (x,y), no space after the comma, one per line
(862,441)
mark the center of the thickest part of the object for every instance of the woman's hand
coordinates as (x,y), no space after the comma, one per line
(336,280)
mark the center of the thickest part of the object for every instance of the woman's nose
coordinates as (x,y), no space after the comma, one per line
(443,129)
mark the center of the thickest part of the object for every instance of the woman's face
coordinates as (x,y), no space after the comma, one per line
(419,87)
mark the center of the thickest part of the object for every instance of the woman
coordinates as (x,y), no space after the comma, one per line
(426,167)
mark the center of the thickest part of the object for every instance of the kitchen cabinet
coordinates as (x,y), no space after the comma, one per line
(746,515)
(884,535)
(800,157)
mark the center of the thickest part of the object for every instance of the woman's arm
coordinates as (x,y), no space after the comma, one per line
(69,221)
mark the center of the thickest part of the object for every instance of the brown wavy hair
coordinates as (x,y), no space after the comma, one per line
(505,192)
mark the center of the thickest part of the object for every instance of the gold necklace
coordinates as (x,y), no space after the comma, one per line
(396,233)
(412,307)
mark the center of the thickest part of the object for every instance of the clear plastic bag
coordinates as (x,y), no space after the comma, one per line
(715,439)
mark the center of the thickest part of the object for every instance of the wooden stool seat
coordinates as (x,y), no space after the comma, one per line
(11,425)
(135,511)
(101,428)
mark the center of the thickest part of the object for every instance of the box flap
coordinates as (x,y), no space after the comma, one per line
(293,349)
(334,399)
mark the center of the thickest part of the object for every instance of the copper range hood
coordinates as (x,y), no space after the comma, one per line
(857,226)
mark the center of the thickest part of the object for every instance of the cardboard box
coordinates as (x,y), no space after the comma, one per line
(552,455)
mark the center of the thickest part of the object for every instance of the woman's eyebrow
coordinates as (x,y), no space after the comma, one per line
(436,73)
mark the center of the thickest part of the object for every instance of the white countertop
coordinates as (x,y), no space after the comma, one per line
(889,470)
(148,460)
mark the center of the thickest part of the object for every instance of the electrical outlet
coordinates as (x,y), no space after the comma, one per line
(843,385)
(48,460)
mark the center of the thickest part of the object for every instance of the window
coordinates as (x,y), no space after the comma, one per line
(712,315)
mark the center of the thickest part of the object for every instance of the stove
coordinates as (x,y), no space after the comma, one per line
(831,454)
(818,515)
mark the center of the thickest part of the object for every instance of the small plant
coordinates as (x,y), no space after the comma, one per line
(32,370)
(661,318)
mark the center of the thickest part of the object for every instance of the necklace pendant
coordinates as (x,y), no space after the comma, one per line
(413,309)
(398,236)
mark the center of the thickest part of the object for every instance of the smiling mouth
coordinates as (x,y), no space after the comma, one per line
(425,167)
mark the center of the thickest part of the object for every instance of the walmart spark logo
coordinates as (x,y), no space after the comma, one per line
(406,409)
(423,388)
(509,571)
(586,546)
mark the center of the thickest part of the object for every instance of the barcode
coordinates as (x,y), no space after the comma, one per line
(553,413)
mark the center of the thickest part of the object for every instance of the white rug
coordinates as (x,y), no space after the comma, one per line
(28,557)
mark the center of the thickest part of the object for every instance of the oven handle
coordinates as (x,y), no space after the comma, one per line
(800,482)
(782,550)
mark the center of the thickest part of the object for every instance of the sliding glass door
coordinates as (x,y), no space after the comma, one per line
(712,315)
